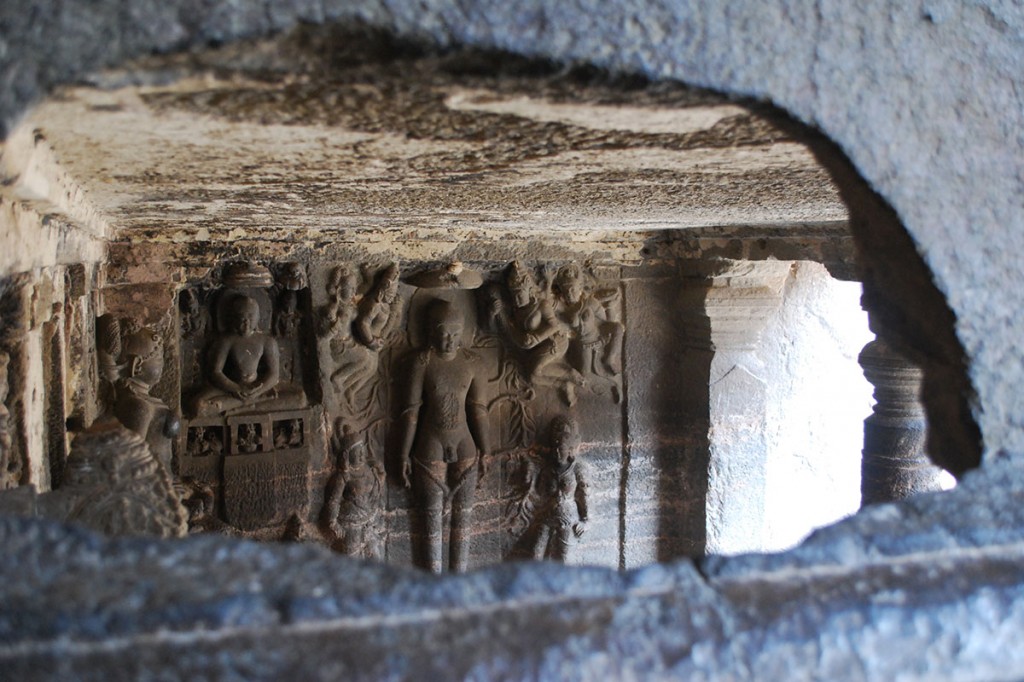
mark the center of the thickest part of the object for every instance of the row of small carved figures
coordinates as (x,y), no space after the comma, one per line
(205,441)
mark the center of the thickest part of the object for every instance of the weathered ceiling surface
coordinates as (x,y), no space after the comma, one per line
(319,135)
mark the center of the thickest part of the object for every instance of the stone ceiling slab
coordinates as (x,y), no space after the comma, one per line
(297,144)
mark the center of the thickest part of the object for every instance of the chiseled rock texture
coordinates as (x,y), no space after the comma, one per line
(924,97)
(931,589)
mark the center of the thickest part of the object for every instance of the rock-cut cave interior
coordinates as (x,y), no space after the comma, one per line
(439,308)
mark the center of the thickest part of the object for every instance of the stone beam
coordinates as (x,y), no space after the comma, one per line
(45,216)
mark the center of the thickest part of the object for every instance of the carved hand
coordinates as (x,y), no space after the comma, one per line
(579,528)
(251,391)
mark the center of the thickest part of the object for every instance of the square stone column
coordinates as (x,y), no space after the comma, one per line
(726,306)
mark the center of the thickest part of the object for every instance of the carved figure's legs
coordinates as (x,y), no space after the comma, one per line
(431,491)
(540,545)
(558,543)
(371,543)
(549,361)
(355,370)
(612,358)
(463,490)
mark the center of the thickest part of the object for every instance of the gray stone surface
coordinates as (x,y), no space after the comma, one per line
(926,100)
(918,591)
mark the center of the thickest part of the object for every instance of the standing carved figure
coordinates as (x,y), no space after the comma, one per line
(445,436)
(354,495)
(287,317)
(561,485)
(142,354)
(191,314)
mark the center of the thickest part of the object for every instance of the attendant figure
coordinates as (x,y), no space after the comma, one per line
(561,485)
(354,495)
(142,353)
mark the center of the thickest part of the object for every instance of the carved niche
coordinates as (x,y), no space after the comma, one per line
(246,366)
(456,398)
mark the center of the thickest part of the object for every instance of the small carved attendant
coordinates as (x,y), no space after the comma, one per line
(376,310)
(134,407)
(354,495)
(445,436)
(249,438)
(244,366)
(561,485)
(336,317)
(377,315)
(287,317)
(288,435)
(533,326)
(596,349)
(204,442)
(192,321)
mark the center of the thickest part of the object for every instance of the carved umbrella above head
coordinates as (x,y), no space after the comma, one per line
(454,275)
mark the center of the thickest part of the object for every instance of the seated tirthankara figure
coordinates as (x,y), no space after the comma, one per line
(244,365)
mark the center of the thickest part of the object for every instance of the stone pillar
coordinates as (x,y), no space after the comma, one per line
(725,324)
(894,464)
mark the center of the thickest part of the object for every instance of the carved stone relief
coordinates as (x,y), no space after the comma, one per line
(113,483)
(358,327)
(248,436)
(445,434)
(551,504)
(131,359)
(568,328)
(355,496)
(455,399)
